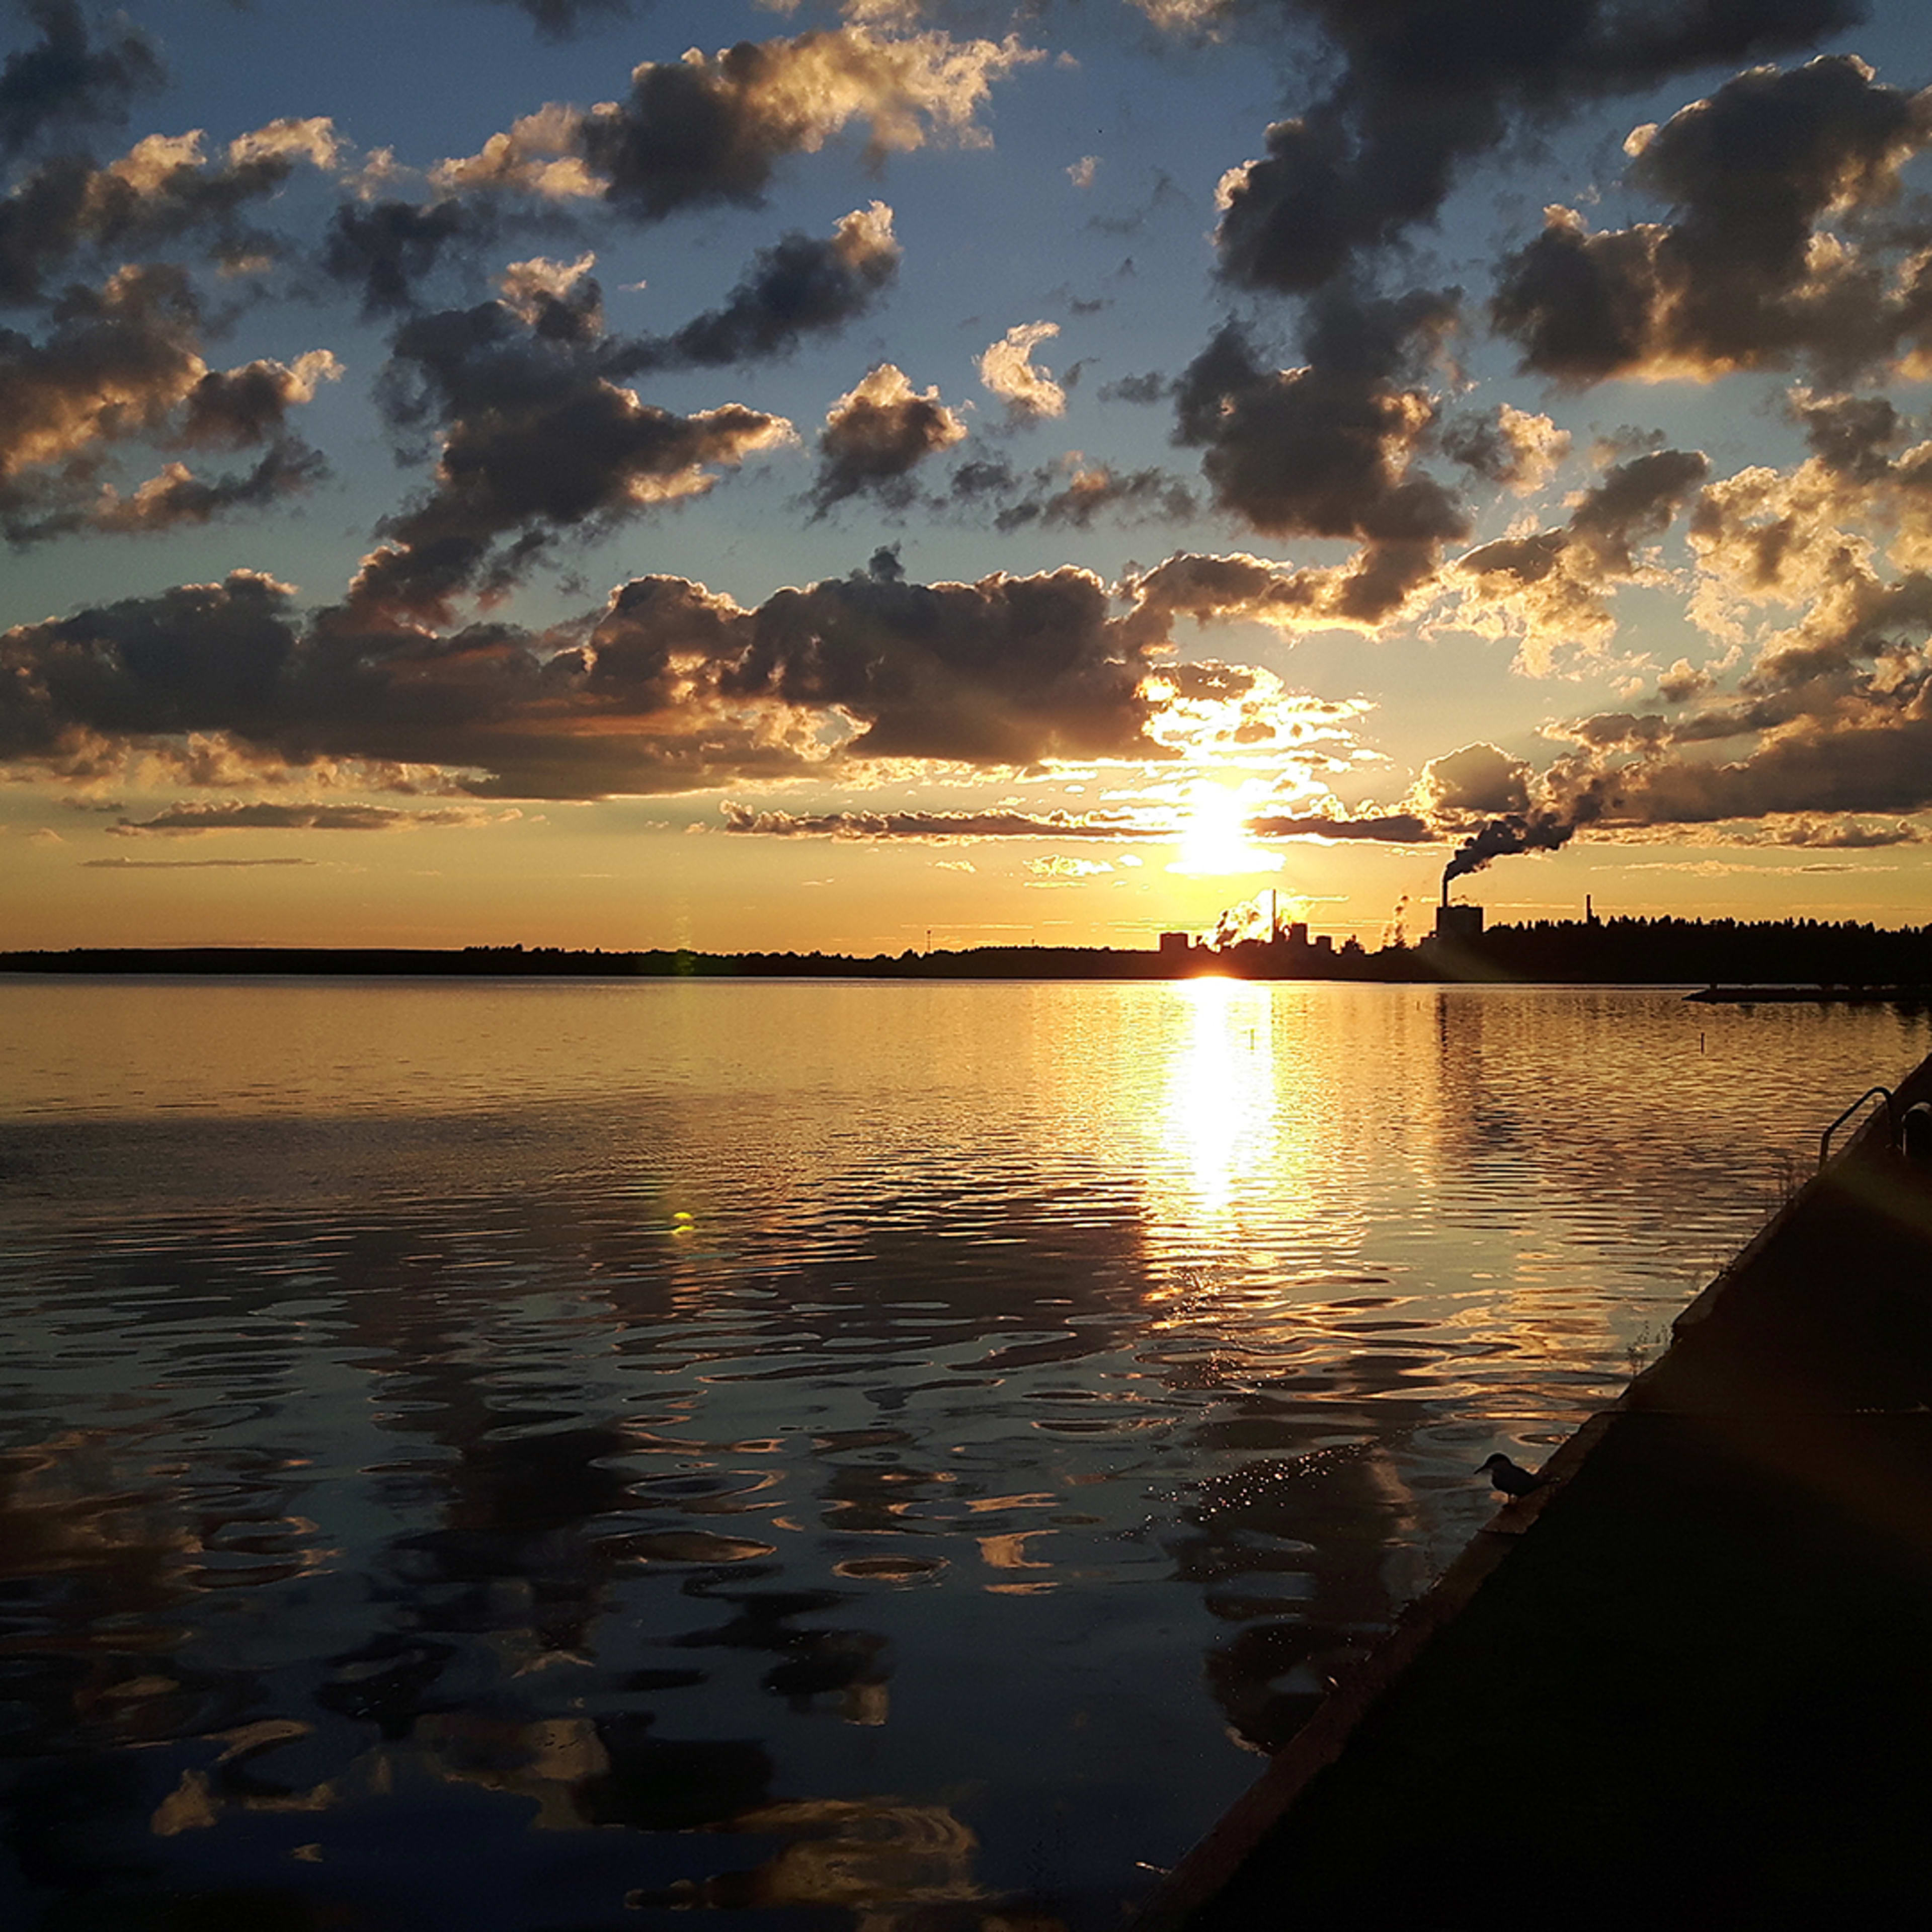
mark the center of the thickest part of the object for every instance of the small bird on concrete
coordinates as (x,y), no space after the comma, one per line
(1509,1479)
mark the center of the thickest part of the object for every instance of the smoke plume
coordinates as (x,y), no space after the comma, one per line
(1499,837)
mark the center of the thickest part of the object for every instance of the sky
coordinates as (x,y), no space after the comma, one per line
(794,476)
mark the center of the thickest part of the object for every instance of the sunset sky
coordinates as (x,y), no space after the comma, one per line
(798,476)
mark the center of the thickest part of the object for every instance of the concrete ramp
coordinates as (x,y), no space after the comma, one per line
(1690,1682)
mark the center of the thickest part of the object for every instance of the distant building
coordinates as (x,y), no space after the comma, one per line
(1458,925)
(1173,945)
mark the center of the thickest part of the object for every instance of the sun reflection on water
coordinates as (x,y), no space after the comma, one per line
(1221,1118)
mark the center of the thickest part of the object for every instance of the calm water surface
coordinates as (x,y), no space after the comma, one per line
(541,1456)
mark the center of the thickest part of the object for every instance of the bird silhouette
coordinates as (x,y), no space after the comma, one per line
(1509,1479)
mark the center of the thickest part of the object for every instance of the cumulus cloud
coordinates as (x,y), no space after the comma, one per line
(70,74)
(1007,369)
(713,128)
(123,362)
(118,360)
(1830,719)
(876,433)
(387,247)
(1480,780)
(164,189)
(1010,670)
(1394,828)
(193,818)
(1423,88)
(673,688)
(1807,833)
(1744,275)
(800,286)
(936,827)
(1075,493)
(1240,588)
(564,20)
(1329,448)
(176,497)
(537,440)
(1518,449)
(1552,587)
(1150,388)
(1493,804)
(1189,16)
(186,864)
(1870,754)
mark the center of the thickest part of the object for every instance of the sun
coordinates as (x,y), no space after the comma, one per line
(1214,841)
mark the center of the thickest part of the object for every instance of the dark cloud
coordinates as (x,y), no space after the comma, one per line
(674,688)
(564,20)
(234,408)
(800,286)
(1074,494)
(1865,622)
(1553,586)
(939,827)
(117,360)
(1424,86)
(1010,670)
(709,130)
(1482,795)
(1328,449)
(1736,279)
(537,435)
(1396,828)
(582,460)
(1151,387)
(196,658)
(189,819)
(185,864)
(385,248)
(163,190)
(1511,447)
(1867,757)
(175,498)
(70,75)
(1850,434)
(1834,717)
(123,362)
(1240,588)
(1636,500)
(876,435)
(1841,835)
(1479,781)
(535,440)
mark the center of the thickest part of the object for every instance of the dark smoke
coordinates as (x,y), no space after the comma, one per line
(1499,837)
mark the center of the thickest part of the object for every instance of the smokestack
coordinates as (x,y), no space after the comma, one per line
(1445,888)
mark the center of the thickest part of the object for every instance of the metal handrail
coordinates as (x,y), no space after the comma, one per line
(1890,1121)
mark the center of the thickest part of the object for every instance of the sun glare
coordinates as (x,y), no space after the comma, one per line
(1214,840)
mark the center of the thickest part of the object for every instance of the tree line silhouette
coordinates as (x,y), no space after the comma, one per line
(1807,952)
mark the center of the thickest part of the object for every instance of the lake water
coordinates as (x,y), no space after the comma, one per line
(520,1456)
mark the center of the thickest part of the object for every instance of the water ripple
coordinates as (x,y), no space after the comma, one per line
(862,1423)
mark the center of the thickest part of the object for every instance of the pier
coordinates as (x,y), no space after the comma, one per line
(1689,1678)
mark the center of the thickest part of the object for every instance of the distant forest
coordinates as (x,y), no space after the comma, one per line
(1799,952)
(1670,952)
